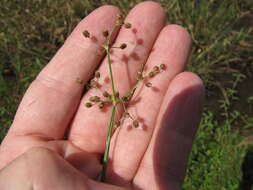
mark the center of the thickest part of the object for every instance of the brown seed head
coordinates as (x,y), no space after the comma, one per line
(126,115)
(88,104)
(106,33)
(94,99)
(163,66)
(125,98)
(101,105)
(94,84)
(123,46)
(117,123)
(119,20)
(120,16)
(136,123)
(97,74)
(151,74)
(127,25)
(106,94)
(148,84)
(86,34)
(156,68)
(116,94)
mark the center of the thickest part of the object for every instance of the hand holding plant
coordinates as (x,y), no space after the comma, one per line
(114,92)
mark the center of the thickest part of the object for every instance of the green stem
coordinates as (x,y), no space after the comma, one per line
(108,142)
(114,102)
(111,77)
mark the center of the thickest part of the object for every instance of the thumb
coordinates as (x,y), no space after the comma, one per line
(41,168)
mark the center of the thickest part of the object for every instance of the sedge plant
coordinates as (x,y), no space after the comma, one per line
(114,98)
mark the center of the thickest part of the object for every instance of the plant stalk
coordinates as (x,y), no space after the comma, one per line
(108,142)
(111,123)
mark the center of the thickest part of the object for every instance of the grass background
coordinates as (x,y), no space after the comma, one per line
(31,31)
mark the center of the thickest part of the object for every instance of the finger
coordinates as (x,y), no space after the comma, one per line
(83,161)
(25,173)
(164,163)
(172,49)
(89,128)
(51,100)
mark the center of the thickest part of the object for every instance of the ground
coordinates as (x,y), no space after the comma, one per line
(31,32)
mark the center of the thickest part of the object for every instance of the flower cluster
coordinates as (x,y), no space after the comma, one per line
(114,98)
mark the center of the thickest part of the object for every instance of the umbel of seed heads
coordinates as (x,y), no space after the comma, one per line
(125,98)
(94,83)
(156,70)
(106,33)
(114,97)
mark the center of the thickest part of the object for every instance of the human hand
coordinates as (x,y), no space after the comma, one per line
(35,153)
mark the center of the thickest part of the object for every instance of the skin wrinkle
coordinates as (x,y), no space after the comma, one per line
(82,45)
(78,142)
(62,83)
(27,107)
(31,102)
(30,113)
(82,48)
(51,82)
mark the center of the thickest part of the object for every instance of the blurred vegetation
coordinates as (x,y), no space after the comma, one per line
(32,30)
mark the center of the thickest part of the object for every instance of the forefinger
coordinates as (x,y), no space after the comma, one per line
(51,100)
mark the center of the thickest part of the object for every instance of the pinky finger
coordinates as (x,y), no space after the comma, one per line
(165,160)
